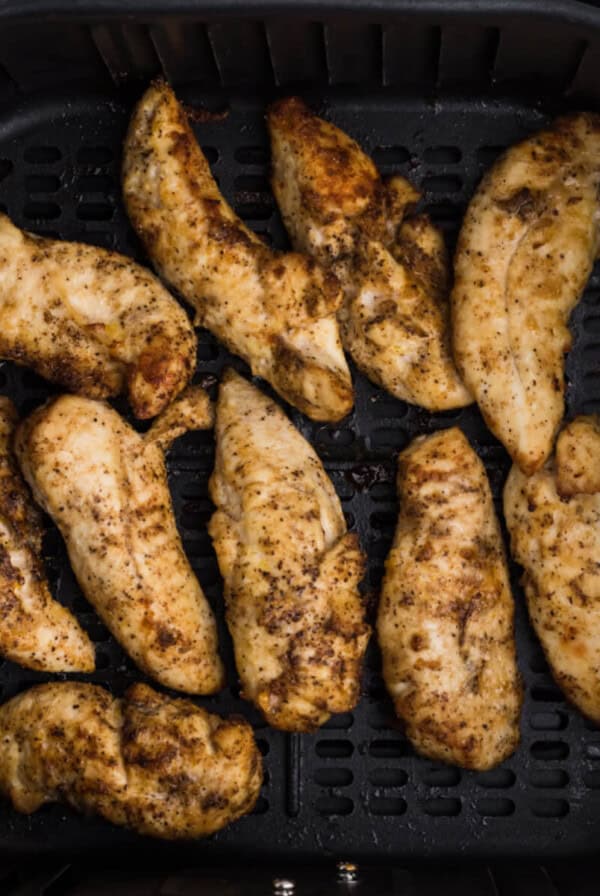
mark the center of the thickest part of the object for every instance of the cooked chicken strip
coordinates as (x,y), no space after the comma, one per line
(392,264)
(276,310)
(105,486)
(525,252)
(445,620)
(92,320)
(290,567)
(557,541)
(35,631)
(578,457)
(159,765)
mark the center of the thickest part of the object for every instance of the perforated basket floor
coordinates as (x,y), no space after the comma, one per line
(355,789)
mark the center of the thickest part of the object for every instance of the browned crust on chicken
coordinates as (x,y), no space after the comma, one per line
(525,252)
(578,457)
(35,630)
(445,621)
(105,486)
(159,765)
(92,320)
(392,264)
(291,569)
(276,310)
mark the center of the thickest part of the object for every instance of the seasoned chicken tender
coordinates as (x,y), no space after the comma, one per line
(445,621)
(290,567)
(578,457)
(159,765)
(92,320)
(525,252)
(35,630)
(557,541)
(105,486)
(392,264)
(276,310)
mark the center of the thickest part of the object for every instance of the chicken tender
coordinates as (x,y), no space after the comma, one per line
(556,540)
(105,486)
(445,621)
(578,457)
(392,263)
(525,252)
(92,321)
(159,765)
(276,310)
(290,567)
(35,630)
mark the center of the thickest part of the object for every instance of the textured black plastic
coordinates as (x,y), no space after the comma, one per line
(356,788)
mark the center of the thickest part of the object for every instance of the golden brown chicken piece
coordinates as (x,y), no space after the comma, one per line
(445,620)
(35,630)
(92,320)
(105,486)
(392,263)
(159,765)
(290,567)
(578,457)
(276,310)
(557,541)
(525,252)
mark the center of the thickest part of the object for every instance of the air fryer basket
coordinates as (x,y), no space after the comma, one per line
(433,91)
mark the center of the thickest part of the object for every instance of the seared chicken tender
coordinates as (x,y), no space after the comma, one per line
(159,765)
(290,567)
(578,457)
(276,310)
(445,620)
(557,541)
(35,630)
(392,263)
(525,252)
(92,320)
(105,486)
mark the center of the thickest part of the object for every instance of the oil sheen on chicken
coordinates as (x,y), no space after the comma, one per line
(159,765)
(445,620)
(291,568)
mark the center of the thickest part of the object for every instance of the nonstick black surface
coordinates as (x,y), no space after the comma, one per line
(356,788)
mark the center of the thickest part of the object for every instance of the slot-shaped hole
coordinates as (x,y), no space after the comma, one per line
(390,155)
(252,183)
(498,807)
(549,750)
(387,805)
(444,213)
(537,662)
(211,154)
(388,777)
(42,155)
(94,155)
(549,721)
(442,155)
(548,778)
(254,211)
(440,807)
(442,183)
(548,694)
(446,776)
(42,183)
(382,520)
(6,166)
(343,437)
(261,806)
(251,155)
(342,721)
(95,211)
(98,632)
(496,778)
(333,777)
(334,805)
(389,438)
(334,749)
(41,211)
(550,808)
(389,749)
(95,183)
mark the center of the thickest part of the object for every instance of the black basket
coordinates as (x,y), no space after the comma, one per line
(434,91)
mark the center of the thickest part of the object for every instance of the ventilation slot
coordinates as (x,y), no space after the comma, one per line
(334,749)
(441,807)
(387,805)
(333,777)
(334,805)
